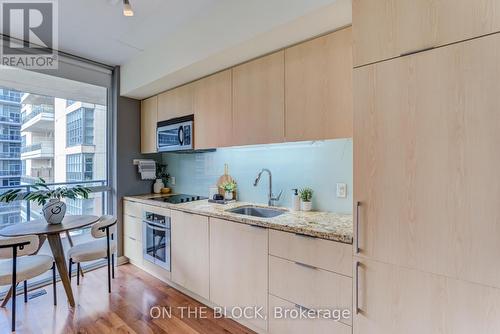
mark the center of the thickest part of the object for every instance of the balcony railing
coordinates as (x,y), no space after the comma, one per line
(10,98)
(11,172)
(97,186)
(31,148)
(10,137)
(37,110)
(10,118)
(10,155)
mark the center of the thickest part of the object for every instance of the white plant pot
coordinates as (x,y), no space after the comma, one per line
(228,195)
(54,211)
(157,186)
(305,206)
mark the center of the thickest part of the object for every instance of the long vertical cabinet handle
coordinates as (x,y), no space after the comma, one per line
(358,204)
(357,309)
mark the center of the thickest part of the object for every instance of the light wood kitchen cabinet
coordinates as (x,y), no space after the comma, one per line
(426,160)
(212,109)
(387,28)
(394,300)
(310,287)
(175,103)
(318,88)
(325,254)
(149,116)
(284,325)
(132,239)
(190,252)
(258,101)
(238,266)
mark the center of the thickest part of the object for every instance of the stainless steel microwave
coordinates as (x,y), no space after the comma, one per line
(175,134)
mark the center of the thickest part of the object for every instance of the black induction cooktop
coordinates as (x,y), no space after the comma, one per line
(179,198)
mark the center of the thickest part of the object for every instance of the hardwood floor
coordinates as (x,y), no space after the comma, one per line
(125,310)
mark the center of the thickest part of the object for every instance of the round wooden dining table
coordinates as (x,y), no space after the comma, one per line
(53,234)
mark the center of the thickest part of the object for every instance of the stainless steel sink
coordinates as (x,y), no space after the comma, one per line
(257,211)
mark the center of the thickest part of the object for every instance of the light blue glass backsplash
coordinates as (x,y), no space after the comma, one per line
(319,165)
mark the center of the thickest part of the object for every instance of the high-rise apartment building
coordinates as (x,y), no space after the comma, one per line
(10,146)
(62,141)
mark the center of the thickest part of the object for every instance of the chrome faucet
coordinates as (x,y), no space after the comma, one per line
(271,199)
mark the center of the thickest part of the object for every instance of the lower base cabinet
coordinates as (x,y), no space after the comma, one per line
(190,252)
(239,270)
(291,323)
(132,245)
(394,300)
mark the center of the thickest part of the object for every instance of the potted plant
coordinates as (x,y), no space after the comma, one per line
(306,199)
(53,208)
(229,189)
(162,177)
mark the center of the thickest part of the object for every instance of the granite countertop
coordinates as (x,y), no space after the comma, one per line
(325,225)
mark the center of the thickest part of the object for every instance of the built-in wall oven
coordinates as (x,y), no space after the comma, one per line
(156,239)
(175,134)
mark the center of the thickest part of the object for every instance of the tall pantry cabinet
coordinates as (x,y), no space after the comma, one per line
(427,227)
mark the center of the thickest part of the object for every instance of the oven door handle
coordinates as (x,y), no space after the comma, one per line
(154,226)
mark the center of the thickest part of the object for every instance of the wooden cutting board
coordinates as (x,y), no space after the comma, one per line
(223,179)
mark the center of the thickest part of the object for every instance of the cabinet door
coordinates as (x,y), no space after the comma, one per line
(238,267)
(212,109)
(174,103)
(426,160)
(318,88)
(132,245)
(258,101)
(149,109)
(190,251)
(387,28)
(394,300)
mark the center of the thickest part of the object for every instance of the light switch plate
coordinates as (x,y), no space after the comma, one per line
(341,190)
(172,180)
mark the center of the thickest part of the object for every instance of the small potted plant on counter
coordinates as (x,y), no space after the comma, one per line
(306,199)
(162,177)
(53,208)
(229,190)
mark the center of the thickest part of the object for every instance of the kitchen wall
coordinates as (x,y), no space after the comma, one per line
(319,165)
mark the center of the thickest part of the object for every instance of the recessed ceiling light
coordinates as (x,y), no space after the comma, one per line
(127,8)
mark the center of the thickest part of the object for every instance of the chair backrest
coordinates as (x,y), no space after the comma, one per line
(98,229)
(27,245)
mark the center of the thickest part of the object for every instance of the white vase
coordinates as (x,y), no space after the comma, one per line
(157,186)
(228,195)
(54,211)
(305,206)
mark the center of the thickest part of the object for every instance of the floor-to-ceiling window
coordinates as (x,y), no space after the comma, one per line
(56,129)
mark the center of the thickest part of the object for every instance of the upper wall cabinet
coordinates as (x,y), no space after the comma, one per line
(212,109)
(258,101)
(387,28)
(174,103)
(149,109)
(318,88)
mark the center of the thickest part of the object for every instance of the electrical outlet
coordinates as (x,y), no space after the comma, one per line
(341,190)
(172,180)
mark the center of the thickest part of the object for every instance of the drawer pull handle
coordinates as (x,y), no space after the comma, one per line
(305,236)
(257,226)
(300,307)
(416,51)
(305,265)
(132,238)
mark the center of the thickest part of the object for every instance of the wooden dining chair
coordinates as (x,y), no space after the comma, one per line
(18,265)
(104,246)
